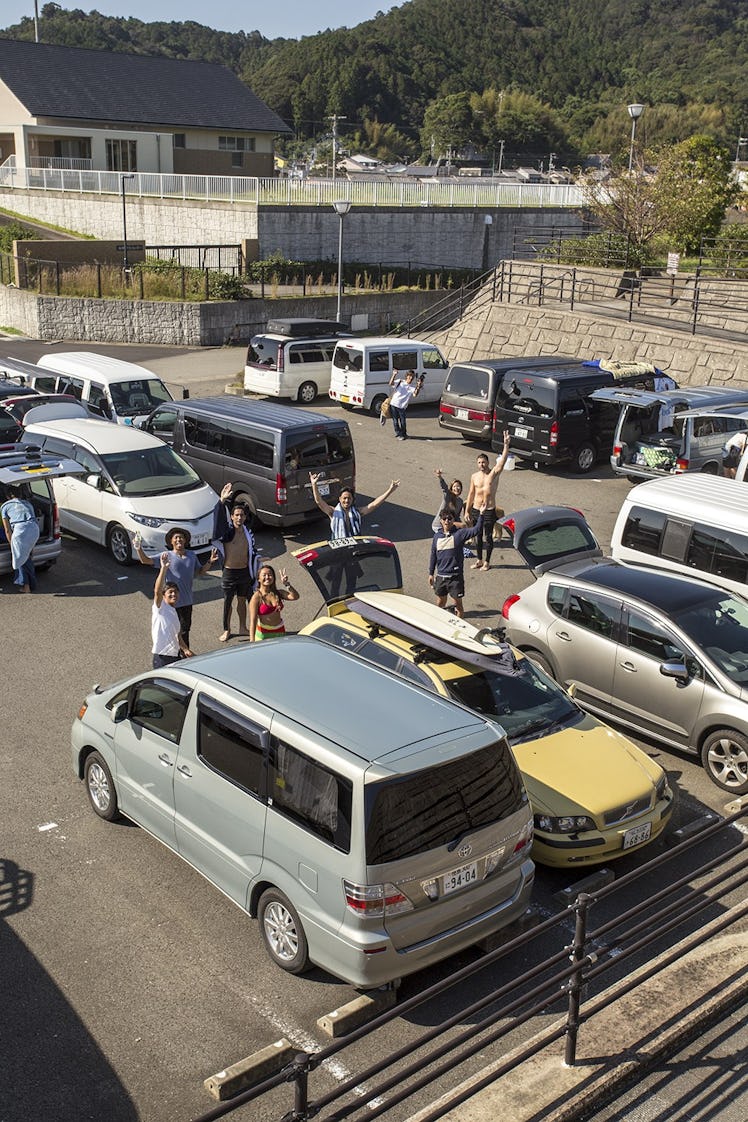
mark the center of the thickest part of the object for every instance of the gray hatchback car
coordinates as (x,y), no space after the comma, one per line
(664,655)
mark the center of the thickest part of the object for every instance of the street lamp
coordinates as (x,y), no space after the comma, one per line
(635,112)
(741,141)
(341,208)
(125,262)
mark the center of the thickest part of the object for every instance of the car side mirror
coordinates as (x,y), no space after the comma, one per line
(119,711)
(94,480)
(674,670)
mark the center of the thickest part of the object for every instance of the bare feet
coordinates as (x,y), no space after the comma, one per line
(485,566)
(224,637)
(477,565)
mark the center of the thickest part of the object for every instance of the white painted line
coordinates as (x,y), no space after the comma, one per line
(47,826)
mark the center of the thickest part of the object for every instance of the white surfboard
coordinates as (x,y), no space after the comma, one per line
(433,620)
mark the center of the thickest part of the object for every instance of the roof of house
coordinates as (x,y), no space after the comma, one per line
(73,82)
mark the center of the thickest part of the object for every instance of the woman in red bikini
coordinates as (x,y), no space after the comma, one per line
(266,605)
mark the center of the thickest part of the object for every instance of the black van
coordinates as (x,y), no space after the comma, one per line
(469,395)
(549,414)
(265,450)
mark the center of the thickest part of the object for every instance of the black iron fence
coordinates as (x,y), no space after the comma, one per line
(558,981)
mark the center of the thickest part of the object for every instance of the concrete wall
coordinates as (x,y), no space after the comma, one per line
(190,324)
(497,330)
(438,236)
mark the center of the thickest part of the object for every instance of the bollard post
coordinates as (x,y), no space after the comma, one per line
(575,982)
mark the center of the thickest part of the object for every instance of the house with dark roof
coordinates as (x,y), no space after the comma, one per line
(111,111)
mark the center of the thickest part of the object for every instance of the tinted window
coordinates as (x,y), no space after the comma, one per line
(720,552)
(467,381)
(557,539)
(230,745)
(202,433)
(594,613)
(9,428)
(404,360)
(310,794)
(338,636)
(160,707)
(319,450)
(47,383)
(430,808)
(527,395)
(719,625)
(379,361)
(643,530)
(241,446)
(651,639)
(557,598)
(51,444)
(163,423)
(263,352)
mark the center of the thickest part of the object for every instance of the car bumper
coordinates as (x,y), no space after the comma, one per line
(560,852)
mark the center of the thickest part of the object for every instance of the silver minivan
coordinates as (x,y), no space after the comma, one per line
(370,847)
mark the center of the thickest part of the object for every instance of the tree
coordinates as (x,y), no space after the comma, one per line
(381,140)
(447,124)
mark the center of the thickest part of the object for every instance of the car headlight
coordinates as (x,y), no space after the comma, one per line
(143,520)
(569,824)
(662,787)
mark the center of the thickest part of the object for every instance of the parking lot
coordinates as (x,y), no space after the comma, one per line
(129,979)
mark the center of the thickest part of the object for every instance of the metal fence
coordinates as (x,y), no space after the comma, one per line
(293,192)
(565,979)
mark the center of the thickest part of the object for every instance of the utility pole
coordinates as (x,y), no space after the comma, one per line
(335,117)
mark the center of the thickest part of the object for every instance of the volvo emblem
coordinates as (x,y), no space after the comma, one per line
(465,850)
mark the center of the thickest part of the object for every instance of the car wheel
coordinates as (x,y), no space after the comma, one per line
(724,755)
(347,406)
(377,403)
(118,544)
(307,393)
(711,469)
(585,458)
(100,787)
(543,663)
(282,932)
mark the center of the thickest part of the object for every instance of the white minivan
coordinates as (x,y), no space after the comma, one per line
(361,370)
(292,358)
(133,484)
(691,524)
(116,390)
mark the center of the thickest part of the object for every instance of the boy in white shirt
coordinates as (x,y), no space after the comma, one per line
(168,645)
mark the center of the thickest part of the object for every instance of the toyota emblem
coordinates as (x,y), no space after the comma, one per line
(465,850)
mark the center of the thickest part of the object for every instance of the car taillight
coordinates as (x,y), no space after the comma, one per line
(553,439)
(618,450)
(375,901)
(508,604)
(508,523)
(281,359)
(477,415)
(448,409)
(525,838)
(681,464)
(55,522)
(281,493)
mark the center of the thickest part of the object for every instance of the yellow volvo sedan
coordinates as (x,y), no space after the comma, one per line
(595,796)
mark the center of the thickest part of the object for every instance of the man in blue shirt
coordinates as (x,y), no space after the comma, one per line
(446,565)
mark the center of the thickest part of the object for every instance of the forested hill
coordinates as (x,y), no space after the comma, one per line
(581,57)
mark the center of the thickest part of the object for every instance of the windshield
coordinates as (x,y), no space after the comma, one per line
(719,625)
(418,812)
(150,471)
(466,381)
(141,395)
(526,704)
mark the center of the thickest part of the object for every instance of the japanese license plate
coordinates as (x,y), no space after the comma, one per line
(344,397)
(461,414)
(522,433)
(458,878)
(199,539)
(323,488)
(341,543)
(636,835)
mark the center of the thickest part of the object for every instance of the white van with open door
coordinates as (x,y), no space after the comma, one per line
(361,370)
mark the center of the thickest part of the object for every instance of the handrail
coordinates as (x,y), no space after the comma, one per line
(561,977)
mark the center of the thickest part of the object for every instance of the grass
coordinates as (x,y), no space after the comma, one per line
(26,221)
(9,330)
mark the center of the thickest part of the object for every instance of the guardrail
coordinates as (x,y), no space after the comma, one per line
(293,192)
(562,977)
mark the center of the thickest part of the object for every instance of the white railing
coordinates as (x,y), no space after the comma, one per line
(60,162)
(293,192)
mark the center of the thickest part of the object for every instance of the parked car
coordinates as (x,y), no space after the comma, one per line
(594,795)
(20,406)
(293,358)
(361,370)
(132,483)
(26,473)
(665,656)
(674,431)
(9,388)
(371,846)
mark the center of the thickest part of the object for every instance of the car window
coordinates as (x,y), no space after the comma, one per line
(160,707)
(468,381)
(557,598)
(379,361)
(313,796)
(230,745)
(432,359)
(73,386)
(643,530)
(46,383)
(649,638)
(527,704)
(553,540)
(87,460)
(150,471)
(594,613)
(162,423)
(721,552)
(98,401)
(719,625)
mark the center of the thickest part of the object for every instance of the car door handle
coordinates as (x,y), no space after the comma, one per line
(563,635)
(629,666)
(184,770)
(166,760)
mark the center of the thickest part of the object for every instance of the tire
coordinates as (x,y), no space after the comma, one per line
(376,404)
(585,458)
(282,933)
(724,755)
(347,406)
(100,788)
(542,662)
(307,393)
(711,469)
(118,544)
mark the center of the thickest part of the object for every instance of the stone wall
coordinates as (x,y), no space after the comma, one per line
(496,330)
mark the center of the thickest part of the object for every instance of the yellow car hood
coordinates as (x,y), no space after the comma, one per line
(589,769)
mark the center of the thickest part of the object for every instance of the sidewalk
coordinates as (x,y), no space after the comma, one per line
(616,1045)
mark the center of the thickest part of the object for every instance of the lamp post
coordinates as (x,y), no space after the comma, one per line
(341,208)
(125,262)
(741,141)
(635,112)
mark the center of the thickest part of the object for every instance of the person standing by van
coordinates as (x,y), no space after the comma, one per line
(447,562)
(236,545)
(22,533)
(184,566)
(168,645)
(404,392)
(345,517)
(482,492)
(266,605)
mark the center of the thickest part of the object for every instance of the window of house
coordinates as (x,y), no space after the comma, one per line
(121,155)
(180,140)
(237,159)
(236,143)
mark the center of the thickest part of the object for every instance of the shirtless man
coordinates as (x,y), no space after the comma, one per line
(482,493)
